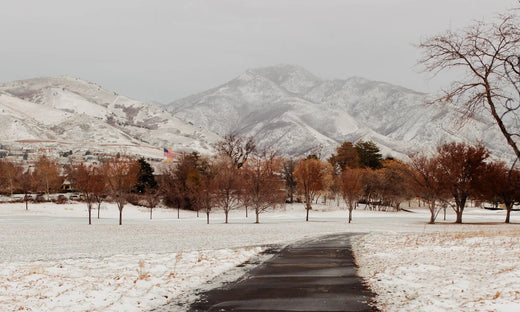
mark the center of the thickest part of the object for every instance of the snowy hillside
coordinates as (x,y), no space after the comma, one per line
(287,108)
(67,113)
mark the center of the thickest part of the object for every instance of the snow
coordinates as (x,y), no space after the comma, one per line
(328,112)
(65,113)
(476,271)
(52,260)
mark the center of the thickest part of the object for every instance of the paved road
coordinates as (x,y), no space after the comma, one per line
(316,275)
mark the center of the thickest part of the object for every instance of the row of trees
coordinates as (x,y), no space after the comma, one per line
(241,177)
(450,177)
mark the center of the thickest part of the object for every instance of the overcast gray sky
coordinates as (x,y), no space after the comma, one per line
(167,49)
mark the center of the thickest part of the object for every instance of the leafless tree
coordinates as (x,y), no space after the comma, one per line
(488,54)
(237,148)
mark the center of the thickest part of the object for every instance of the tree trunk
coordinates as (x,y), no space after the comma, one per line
(307,205)
(178,212)
(459,216)
(432,216)
(26,203)
(121,216)
(350,214)
(151,213)
(246,211)
(509,207)
(226,212)
(257,215)
(207,217)
(89,206)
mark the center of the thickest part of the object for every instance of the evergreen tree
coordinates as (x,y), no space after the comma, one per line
(369,155)
(145,179)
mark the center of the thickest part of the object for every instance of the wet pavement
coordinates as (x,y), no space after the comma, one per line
(314,275)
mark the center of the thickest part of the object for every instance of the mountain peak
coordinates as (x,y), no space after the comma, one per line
(286,108)
(294,79)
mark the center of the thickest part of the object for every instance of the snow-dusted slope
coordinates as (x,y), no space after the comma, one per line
(75,113)
(289,109)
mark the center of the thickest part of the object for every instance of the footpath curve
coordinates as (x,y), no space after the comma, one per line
(314,275)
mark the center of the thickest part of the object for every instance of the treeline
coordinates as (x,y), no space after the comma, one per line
(241,177)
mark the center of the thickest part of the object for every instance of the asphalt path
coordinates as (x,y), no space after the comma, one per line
(314,275)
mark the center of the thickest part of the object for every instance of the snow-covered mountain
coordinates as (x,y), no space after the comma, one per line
(67,113)
(292,111)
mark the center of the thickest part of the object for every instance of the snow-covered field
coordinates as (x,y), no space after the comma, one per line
(51,260)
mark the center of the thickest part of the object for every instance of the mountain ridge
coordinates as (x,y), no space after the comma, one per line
(82,115)
(289,109)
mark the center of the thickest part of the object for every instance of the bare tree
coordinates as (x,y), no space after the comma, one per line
(351,188)
(237,148)
(488,55)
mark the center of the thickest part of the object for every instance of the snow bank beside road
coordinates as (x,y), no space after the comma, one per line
(469,271)
(117,283)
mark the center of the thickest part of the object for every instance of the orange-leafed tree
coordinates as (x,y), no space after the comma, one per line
(204,188)
(8,174)
(89,181)
(500,185)
(462,166)
(427,182)
(228,186)
(312,176)
(263,185)
(346,157)
(121,176)
(395,183)
(47,175)
(351,188)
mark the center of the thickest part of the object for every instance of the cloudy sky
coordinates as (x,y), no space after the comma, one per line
(166,49)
